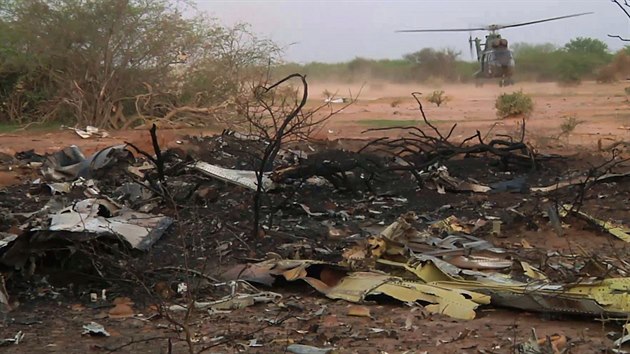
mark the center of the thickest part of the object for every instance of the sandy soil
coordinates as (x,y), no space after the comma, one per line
(54,324)
(604,110)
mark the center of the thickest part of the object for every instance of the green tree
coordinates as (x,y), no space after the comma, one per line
(581,58)
(437,63)
(360,67)
(587,46)
(536,61)
(85,57)
(90,60)
(227,59)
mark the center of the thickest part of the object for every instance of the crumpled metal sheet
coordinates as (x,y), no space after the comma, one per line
(442,278)
(360,286)
(241,178)
(619,231)
(99,217)
(307,349)
(19,336)
(70,163)
(95,329)
(6,238)
(401,230)
(85,220)
(233,302)
(456,303)
(578,180)
(64,164)
(607,297)
(89,132)
(438,178)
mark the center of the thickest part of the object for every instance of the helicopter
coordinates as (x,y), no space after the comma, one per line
(495,59)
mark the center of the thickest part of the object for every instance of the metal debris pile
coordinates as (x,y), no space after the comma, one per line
(449,272)
(453,237)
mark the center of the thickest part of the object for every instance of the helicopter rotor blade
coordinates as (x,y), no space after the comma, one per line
(496,27)
(443,30)
(492,27)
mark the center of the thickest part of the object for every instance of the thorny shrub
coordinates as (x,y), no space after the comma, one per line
(606,75)
(97,62)
(569,124)
(514,104)
(618,68)
(438,98)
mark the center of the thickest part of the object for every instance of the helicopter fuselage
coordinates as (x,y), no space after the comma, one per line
(494,57)
(496,60)
(496,63)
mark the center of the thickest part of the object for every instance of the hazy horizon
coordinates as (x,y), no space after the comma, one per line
(336,31)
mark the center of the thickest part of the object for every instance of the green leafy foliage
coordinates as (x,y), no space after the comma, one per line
(580,59)
(92,61)
(514,104)
(536,62)
(570,70)
(421,66)
(100,62)
(429,62)
(569,124)
(438,98)
(588,46)
(357,70)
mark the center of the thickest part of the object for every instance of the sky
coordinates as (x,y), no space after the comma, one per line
(334,31)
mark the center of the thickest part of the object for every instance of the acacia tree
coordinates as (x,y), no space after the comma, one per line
(581,57)
(437,63)
(90,54)
(222,66)
(536,61)
(89,60)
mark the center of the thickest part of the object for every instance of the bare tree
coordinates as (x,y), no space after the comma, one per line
(275,116)
(625,7)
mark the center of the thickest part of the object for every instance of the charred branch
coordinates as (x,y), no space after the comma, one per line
(333,165)
(619,37)
(623,8)
(159,160)
(420,148)
(275,141)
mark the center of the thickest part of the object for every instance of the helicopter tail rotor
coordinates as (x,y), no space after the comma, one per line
(470,46)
